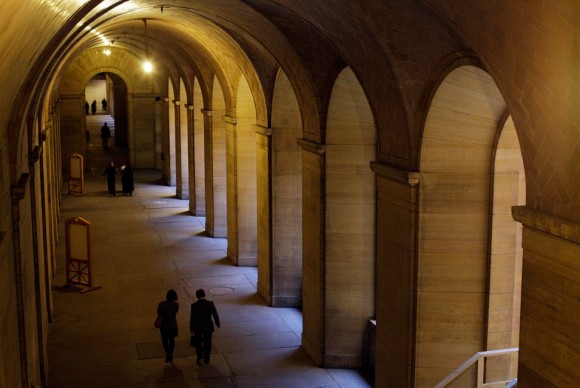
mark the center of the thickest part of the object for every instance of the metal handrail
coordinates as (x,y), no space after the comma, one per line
(478,358)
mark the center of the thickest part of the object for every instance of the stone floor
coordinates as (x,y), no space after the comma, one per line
(144,245)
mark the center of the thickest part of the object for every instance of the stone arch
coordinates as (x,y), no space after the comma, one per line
(173,90)
(241,177)
(339,278)
(280,200)
(182,149)
(455,191)
(197,151)
(506,253)
(215,163)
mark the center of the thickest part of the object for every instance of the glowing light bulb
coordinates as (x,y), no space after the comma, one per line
(147,66)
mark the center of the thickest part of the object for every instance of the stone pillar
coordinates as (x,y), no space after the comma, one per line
(396,277)
(39,260)
(143,139)
(550,312)
(313,226)
(215,176)
(191,160)
(197,155)
(178,153)
(279,217)
(181,147)
(231,188)
(241,195)
(24,273)
(264,193)
(72,124)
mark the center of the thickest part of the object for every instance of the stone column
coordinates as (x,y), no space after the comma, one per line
(279,217)
(241,192)
(231,188)
(72,124)
(264,193)
(215,176)
(178,154)
(39,259)
(24,279)
(143,139)
(191,159)
(395,276)
(313,226)
(550,312)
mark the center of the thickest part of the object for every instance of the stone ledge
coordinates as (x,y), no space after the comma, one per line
(556,226)
(401,176)
(311,147)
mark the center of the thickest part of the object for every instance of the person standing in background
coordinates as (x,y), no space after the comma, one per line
(127,179)
(110,172)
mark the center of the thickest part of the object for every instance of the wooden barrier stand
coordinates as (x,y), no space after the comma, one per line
(79,254)
(76,181)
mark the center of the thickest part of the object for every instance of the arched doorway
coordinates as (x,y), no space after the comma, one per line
(460,288)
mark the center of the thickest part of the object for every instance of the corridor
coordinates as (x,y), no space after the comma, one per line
(142,246)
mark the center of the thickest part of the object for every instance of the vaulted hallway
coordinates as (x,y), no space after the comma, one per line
(144,245)
(405,173)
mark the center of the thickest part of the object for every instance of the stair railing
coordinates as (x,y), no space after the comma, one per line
(478,359)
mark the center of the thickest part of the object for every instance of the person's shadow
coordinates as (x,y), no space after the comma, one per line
(172,375)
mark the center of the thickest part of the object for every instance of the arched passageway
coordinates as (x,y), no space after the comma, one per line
(465,303)
(255,345)
(359,84)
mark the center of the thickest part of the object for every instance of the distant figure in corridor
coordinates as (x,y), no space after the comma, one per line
(167,310)
(202,326)
(94,106)
(86,108)
(110,172)
(104,104)
(105,135)
(127,179)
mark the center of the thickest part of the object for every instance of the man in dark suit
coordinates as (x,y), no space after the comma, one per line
(202,326)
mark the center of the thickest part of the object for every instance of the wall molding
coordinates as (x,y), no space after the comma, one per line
(556,226)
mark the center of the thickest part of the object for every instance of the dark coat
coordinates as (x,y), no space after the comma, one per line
(202,312)
(127,179)
(168,311)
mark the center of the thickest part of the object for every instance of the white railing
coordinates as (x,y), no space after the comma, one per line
(479,360)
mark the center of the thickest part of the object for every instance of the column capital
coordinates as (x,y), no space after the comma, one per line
(230,120)
(547,223)
(176,102)
(206,112)
(310,146)
(18,190)
(261,130)
(382,170)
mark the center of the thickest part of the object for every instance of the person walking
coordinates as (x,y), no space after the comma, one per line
(94,106)
(104,105)
(110,172)
(167,311)
(105,135)
(201,325)
(86,108)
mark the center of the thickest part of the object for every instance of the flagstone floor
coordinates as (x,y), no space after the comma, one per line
(142,246)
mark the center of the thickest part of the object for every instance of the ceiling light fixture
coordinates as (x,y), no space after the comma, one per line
(147,65)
